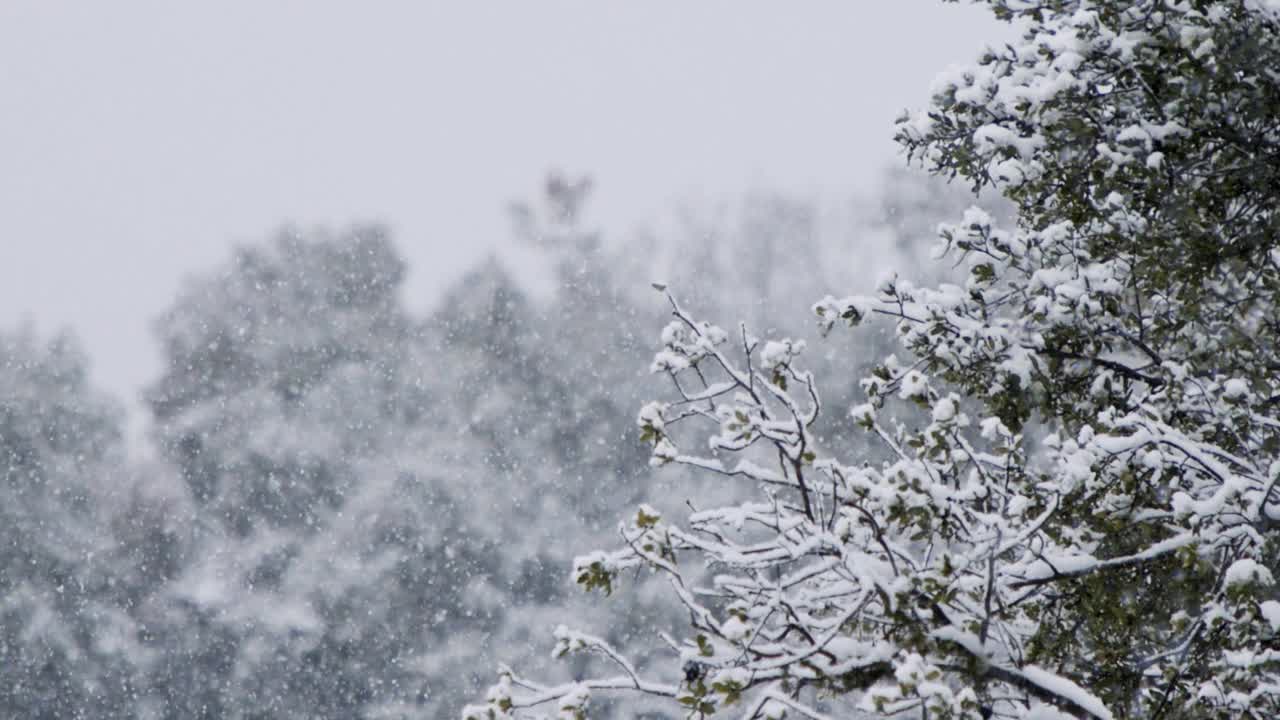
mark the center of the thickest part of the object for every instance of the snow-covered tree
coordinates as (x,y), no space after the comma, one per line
(254,352)
(583,325)
(544,421)
(301,417)
(67,642)
(1124,567)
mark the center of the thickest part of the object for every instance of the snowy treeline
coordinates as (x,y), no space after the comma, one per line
(354,508)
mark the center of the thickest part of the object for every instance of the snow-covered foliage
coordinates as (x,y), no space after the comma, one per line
(64,642)
(1122,567)
(293,341)
(291,393)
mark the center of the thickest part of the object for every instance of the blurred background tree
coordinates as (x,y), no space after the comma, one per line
(318,534)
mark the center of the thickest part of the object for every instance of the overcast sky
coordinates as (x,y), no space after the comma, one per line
(140,140)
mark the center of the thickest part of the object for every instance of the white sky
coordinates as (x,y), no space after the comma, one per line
(140,140)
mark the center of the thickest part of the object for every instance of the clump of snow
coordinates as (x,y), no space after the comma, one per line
(993,429)
(777,353)
(1270,610)
(1246,571)
(663,452)
(734,629)
(945,410)
(864,413)
(1235,389)
(651,416)
(913,385)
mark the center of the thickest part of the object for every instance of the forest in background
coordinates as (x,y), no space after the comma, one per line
(354,508)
